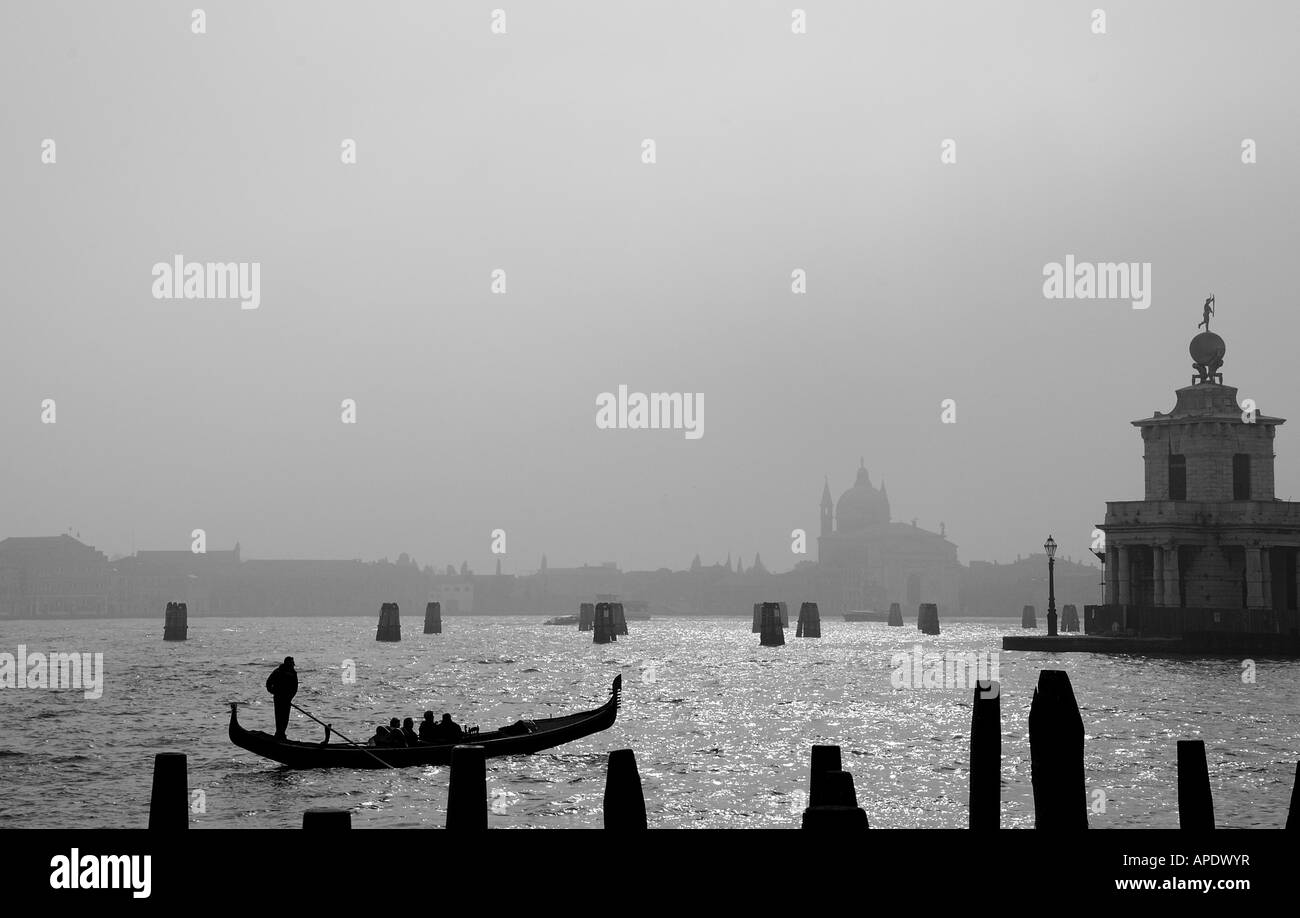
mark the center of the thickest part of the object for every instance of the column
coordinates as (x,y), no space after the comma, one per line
(1124,595)
(1158,573)
(1173,594)
(1254,579)
(1266,577)
(1112,575)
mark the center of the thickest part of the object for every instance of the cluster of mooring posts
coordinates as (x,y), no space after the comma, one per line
(175,622)
(1070,618)
(1056,748)
(586,616)
(390,623)
(1028,618)
(810,621)
(608,622)
(927,618)
(895,615)
(175,627)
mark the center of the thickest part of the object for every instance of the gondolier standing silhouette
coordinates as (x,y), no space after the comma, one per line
(283,685)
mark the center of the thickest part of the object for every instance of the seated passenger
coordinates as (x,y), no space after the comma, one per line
(428,728)
(408,731)
(449,730)
(381,736)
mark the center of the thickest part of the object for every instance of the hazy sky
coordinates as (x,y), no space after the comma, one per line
(522,151)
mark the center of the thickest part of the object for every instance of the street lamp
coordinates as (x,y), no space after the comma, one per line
(1050,547)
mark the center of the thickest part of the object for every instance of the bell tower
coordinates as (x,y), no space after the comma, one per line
(828,509)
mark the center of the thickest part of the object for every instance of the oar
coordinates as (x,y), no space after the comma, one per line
(364,749)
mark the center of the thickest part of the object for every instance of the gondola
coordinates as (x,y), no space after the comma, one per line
(521,738)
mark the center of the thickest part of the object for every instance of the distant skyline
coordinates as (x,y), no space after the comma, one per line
(522,152)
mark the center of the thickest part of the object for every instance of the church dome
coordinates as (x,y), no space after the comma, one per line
(861,505)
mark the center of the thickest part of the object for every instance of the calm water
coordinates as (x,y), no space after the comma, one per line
(721,727)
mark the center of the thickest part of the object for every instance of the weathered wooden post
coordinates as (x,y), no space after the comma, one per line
(433,618)
(175,622)
(1028,619)
(1056,754)
(810,621)
(895,614)
(1070,618)
(1195,801)
(927,619)
(986,756)
(620,618)
(624,799)
(467,803)
(323,817)
(772,635)
(586,616)
(758,618)
(832,800)
(390,625)
(785,614)
(169,800)
(603,629)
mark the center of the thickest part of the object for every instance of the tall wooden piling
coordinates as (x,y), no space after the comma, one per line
(467,801)
(772,634)
(1070,618)
(1195,801)
(586,616)
(433,618)
(1028,618)
(169,800)
(895,614)
(603,624)
(619,617)
(832,800)
(927,618)
(175,622)
(624,799)
(1056,754)
(785,613)
(758,618)
(323,817)
(986,756)
(390,625)
(810,621)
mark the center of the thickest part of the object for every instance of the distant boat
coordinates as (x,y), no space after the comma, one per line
(524,737)
(562,620)
(866,615)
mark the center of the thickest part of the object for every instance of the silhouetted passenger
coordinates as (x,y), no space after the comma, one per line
(449,730)
(283,685)
(428,728)
(381,736)
(395,737)
(408,731)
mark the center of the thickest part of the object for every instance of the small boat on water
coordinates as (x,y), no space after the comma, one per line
(562,620)
(523,737)
(866,615)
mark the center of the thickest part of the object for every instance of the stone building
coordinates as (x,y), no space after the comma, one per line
(1210,548)
(865,560)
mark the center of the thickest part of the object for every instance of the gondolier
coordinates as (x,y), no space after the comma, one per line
(283,685)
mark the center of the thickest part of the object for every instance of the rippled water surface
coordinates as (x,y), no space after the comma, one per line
(721,726)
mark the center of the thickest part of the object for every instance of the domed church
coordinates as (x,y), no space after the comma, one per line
(867,561)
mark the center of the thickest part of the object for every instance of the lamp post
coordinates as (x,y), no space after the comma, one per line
(1050,547)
